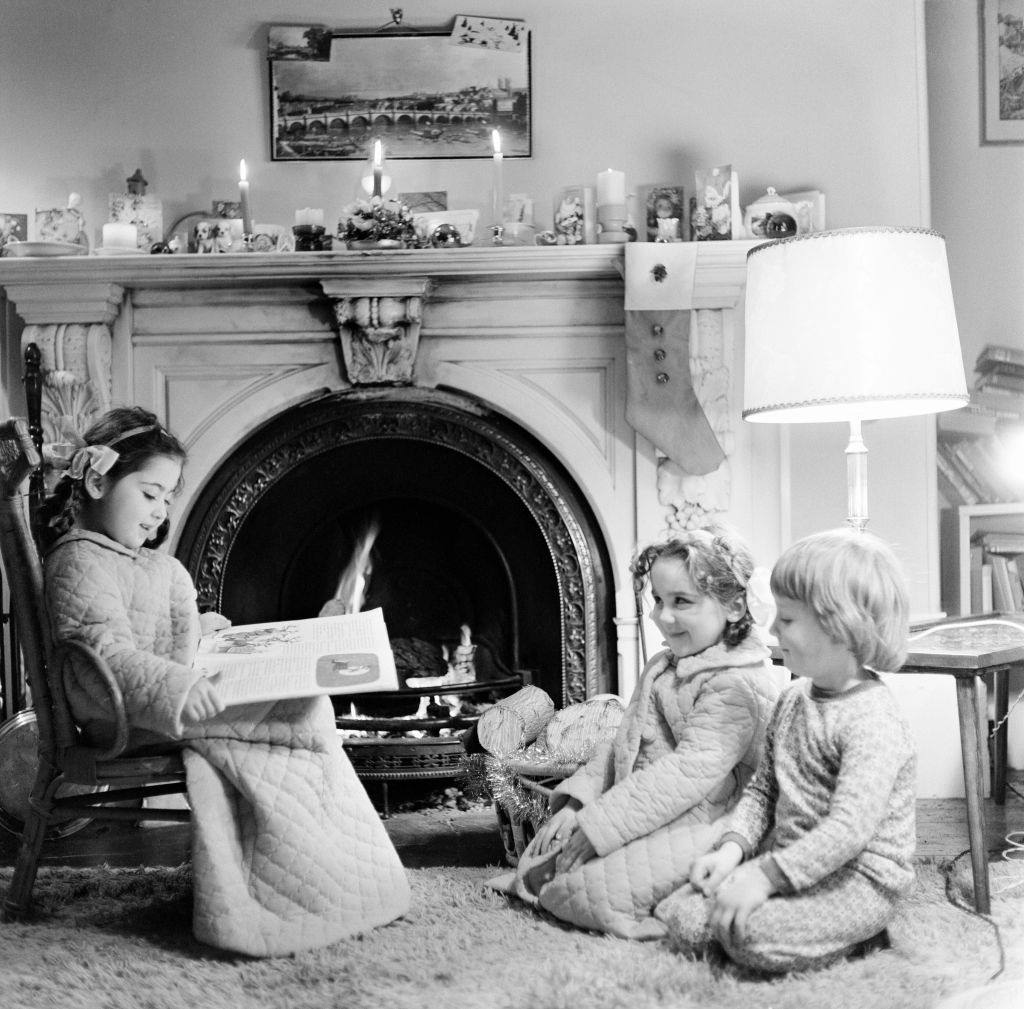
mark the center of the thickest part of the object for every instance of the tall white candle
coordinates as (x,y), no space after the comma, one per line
(611,188)
(378,167)
(243,196)
(497,195)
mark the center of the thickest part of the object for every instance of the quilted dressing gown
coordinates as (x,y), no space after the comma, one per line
(288,851)
(653,797)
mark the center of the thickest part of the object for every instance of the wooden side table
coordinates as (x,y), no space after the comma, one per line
(969,648)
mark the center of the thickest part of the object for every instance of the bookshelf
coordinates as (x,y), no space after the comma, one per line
(957,527)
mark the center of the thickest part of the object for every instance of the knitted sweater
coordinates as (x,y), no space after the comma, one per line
(836,787)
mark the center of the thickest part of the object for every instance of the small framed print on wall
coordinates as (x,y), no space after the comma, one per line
(422,94)
(1001,35)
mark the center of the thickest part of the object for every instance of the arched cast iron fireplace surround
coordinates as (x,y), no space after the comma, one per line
(479,523)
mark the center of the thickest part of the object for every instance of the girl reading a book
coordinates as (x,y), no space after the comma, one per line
(288,852)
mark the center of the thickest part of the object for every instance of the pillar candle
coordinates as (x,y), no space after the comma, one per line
(378,167)
(497,197)
(120,236)
(243,196)
(611,188)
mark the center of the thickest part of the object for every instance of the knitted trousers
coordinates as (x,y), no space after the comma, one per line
(798,931)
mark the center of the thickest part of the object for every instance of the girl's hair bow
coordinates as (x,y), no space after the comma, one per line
(760,602)
(99,458)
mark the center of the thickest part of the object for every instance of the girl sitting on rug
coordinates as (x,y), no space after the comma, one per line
(819,848)
(625,828)
(288,852)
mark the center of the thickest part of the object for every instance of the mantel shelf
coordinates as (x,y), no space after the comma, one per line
(33,283)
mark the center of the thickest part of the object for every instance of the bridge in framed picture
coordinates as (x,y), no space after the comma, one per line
(423,94)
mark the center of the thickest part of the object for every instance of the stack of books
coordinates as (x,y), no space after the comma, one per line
(971,445)
(997,567)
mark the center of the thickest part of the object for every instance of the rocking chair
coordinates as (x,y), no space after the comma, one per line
(72,779)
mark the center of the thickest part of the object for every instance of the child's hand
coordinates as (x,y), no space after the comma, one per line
(210,622)
(709,870)
(202,702)
(575,852)
(558,827)
(744,890)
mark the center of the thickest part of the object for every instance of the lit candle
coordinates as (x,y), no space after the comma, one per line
(378,168)
(497,200)
(611,188)
(243,196)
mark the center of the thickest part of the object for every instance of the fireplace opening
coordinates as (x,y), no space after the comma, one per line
(477,526)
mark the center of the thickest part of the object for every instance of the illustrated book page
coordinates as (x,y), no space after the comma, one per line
(346,654)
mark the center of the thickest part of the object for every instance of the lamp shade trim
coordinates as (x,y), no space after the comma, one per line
(938,401)
(817,235)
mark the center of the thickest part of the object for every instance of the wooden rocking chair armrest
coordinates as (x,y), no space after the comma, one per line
(62,653)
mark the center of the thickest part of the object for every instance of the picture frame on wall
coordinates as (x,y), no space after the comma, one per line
(424,95)
(1001,36)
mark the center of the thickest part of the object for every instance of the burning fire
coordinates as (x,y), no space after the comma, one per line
(354,582)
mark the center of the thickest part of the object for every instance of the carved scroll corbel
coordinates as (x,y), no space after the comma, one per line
(378,326)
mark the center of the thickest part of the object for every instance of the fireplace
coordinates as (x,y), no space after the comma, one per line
(507,480)
(479,526)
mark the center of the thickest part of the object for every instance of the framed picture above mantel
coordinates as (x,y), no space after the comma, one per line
(424,95)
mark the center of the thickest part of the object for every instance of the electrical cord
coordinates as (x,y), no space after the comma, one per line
(947,868)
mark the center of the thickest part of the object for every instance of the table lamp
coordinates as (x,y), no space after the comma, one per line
(851,325)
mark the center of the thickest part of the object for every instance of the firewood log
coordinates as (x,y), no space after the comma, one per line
(514,721)
(573,733)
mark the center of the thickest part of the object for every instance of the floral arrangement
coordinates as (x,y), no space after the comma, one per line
(377,219)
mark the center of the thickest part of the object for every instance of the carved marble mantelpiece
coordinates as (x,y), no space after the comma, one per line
(220,344)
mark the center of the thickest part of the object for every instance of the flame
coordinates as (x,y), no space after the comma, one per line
(354,582)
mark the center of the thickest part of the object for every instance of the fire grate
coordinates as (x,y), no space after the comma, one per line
(412,747)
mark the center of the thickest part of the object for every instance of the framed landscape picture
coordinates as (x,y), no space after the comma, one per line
(423,95)
(1002,71)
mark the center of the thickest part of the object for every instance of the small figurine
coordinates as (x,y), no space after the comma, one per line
(203,237)
(222,237)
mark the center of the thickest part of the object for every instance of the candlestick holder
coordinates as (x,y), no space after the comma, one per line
(612,220)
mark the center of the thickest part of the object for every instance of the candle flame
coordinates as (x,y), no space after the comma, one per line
(496,141)
(376,154)
(241,170)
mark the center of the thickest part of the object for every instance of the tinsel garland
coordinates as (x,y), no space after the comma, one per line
(502,779)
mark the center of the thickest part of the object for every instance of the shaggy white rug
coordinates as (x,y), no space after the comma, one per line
(120,939)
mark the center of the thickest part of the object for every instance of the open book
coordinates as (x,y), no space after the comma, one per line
(347,654)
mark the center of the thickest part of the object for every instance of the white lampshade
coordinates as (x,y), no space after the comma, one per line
(851,325)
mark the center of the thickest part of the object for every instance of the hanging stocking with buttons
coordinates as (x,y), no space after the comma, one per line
(661,403)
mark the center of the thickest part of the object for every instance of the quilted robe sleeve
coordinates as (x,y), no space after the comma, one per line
(711,738)
(86,601)
(589,781)
(752,817)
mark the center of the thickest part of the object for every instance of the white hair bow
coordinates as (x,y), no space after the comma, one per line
(760,602)
(98,458)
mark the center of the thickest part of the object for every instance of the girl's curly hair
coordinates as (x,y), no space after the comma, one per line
(138,437)
(719,563)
